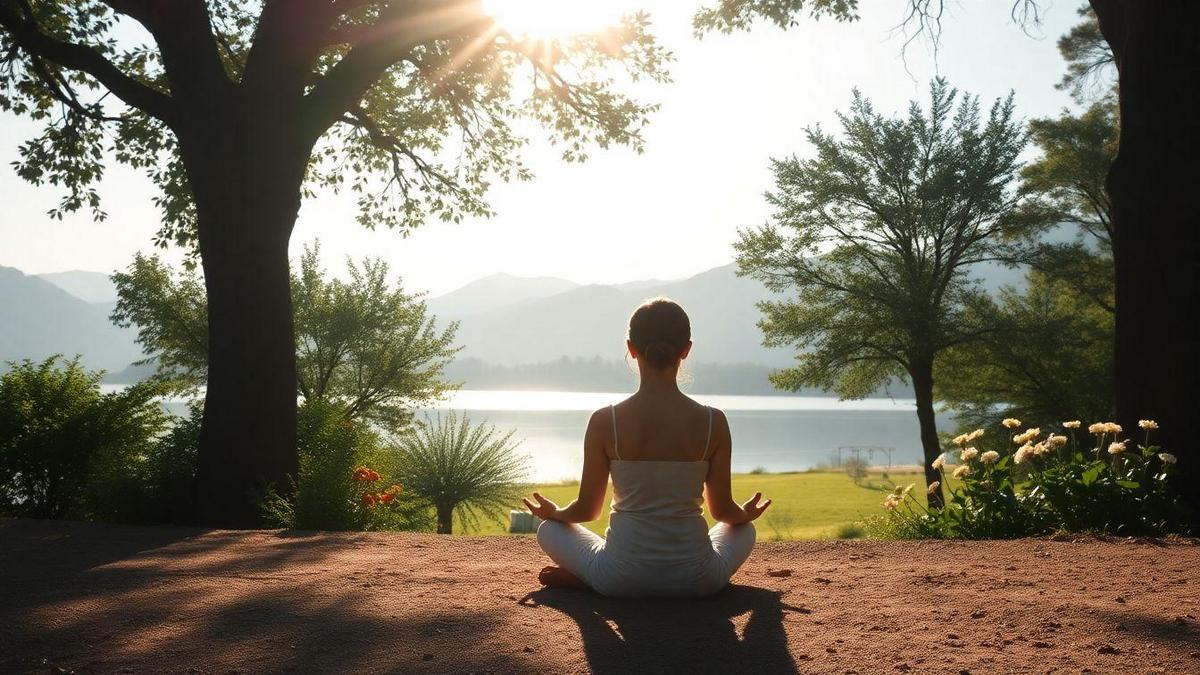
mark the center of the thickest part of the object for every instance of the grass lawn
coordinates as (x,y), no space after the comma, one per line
(808,505)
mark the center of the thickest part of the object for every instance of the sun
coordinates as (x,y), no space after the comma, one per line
(554,19)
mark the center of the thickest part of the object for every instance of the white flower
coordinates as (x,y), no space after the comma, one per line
(962,471)
(990,457)
(1028,436)
(1040,449)
(1104,428)
(974,435)
(960,440)
(1116,448)
(1011,423)
(933,487)
(1148,424)
(1073,424)
(1167,458)
(969,454)
(1022,454)
(891,502)
(1056,441)
(940,462)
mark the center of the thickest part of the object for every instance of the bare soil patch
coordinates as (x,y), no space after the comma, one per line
(98,598)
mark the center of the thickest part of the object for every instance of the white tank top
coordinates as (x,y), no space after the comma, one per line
(657,516)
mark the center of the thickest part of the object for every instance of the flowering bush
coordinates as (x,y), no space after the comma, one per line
(1043,482)
(337,487)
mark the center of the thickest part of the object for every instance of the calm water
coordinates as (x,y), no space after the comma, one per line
(778,433)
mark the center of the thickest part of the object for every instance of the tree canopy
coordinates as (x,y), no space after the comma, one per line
(417,106)
(363,343)
(876,234)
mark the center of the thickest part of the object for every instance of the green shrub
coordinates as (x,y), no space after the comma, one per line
(169,473)
(460,468)
(66,449)
(849,531)
(1047,482)
(341,462)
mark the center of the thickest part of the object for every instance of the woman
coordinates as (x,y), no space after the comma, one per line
(666,454)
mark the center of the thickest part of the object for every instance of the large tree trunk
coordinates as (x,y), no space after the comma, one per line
(922,380)
(246,178)
(1157,218)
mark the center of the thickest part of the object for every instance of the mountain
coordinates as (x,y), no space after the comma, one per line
(590,321)
(93,287)
(494,292)
(39,319)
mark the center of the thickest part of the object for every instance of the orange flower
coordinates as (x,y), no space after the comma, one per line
(374,475)
(368,499)
(393,490)
(387,497)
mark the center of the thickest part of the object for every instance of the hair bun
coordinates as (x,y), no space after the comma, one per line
(659,330)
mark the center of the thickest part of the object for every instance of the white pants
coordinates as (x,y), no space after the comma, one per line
(581,552)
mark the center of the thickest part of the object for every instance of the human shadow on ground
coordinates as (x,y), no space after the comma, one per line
(739,629)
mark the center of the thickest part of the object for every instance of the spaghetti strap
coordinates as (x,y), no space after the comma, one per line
(613,408)
(708,439)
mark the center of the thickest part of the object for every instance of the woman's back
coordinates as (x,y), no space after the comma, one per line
(657,517)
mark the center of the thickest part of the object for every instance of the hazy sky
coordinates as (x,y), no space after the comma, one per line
(674,210)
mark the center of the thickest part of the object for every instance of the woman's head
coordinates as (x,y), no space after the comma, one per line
(660,333)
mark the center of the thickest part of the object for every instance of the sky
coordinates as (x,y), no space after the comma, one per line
(673,211)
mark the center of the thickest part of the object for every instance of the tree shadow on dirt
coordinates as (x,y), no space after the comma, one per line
(739,629)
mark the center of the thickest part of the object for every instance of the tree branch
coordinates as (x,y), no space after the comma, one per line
(400,28)
(28,36)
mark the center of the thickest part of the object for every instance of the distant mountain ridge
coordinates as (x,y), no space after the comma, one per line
(506,321)
(93,287)
(39,319)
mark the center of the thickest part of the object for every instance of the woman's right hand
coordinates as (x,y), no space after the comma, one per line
(544,509)
(754,508)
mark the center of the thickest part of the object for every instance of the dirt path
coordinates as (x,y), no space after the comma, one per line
(94,598)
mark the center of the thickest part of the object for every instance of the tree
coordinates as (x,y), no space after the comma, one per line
(1049,358)
(66,448)
(876,235)
(235,110)
(1155,47)
(1067,184)
(460,468)
(365,345)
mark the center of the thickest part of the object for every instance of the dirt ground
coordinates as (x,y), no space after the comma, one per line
(96,598)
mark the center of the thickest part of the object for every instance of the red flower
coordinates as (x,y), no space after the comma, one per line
(387,498)
(368,499)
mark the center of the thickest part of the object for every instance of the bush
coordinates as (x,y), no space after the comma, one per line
(1044,484)
(341,484)
(461,469)
(66,449)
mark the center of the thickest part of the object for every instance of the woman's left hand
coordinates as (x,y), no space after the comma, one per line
(544,509)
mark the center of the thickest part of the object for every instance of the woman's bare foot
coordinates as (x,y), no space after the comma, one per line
(557,577)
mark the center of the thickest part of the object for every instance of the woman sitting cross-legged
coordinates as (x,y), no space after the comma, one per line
(667,454)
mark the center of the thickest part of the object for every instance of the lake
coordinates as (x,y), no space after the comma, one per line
(777,433)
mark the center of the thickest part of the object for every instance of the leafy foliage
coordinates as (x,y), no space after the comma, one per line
(1090,63)
(66,448)
(366,344)
(415,107)
(327,494)
(1045,484)
(876,235)
(1049,357)
(363,343)
(460,468)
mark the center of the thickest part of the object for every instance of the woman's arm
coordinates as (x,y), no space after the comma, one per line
(718,492)
(592,485)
